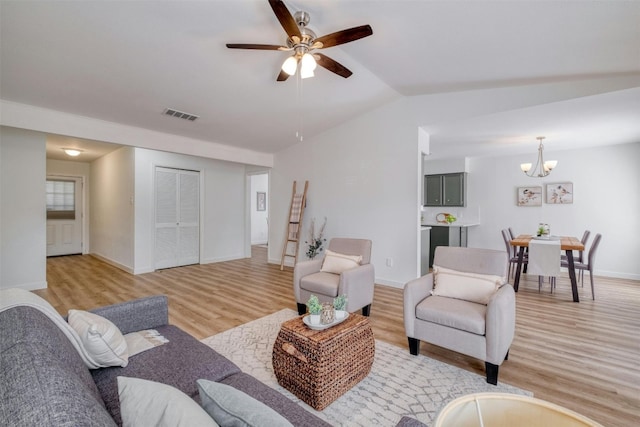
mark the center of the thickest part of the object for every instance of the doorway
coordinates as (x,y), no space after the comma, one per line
(259,212)
(64,215)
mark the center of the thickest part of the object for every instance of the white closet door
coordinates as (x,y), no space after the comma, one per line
(177,218)
(189,214)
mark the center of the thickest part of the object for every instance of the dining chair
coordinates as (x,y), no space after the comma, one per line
(512,252)
(512,235)
(544,260)
(591,258)
(580,257)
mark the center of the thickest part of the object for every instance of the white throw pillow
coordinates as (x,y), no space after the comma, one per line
(335,262)
(149,403)
(474,287)
(101,338)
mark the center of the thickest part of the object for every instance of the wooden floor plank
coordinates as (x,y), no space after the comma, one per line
(584,356)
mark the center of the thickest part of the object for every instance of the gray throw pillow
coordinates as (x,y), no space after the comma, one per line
(233,408)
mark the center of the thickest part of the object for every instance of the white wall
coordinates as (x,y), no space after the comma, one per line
(222,206)
(112,214)
(365,178)
(23,244)
(259,219)
(76,169)
(606,200)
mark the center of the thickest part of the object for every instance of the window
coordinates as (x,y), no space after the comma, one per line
(61,199)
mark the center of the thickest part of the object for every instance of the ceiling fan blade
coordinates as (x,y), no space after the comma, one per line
(282,76)
(285,18)
(256,46)
(331,65)
(344,36)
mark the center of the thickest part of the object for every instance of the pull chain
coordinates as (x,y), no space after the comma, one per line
(299,132)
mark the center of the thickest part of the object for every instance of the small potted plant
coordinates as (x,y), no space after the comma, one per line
(340,305)
(315,308)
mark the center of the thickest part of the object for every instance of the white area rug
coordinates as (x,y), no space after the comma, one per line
(399,384)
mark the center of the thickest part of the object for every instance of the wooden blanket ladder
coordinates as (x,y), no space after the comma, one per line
(294,225)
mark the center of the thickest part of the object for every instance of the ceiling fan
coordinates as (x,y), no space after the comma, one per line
(303,43)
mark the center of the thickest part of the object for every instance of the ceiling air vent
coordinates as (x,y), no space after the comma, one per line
(180,114)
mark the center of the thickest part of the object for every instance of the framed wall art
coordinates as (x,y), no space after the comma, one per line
(261,201)
(560,193)
(530,196)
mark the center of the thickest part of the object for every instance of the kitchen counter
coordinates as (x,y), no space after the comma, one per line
(453,224)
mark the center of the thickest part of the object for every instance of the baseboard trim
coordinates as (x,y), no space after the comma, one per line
(113,263)
(33,286)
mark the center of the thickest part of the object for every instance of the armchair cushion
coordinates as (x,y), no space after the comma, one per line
(474,287)
(336,263)
(321,283)
(454,313)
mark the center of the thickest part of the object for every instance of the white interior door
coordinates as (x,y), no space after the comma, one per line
(64,215)
(177,218)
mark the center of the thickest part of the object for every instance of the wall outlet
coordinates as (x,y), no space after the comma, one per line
(389,262)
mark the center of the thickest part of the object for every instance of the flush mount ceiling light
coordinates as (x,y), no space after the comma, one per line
(73,152)
(542,168)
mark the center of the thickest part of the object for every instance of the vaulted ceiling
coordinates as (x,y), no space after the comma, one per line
(126,61)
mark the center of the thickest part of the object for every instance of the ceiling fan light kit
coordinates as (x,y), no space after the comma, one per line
(542,168)
(303,42)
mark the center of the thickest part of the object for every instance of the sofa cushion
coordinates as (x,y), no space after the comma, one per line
(472,287)
(295,413)
(44,380)
(336,263)
(454,313)
(229,406)
(321,283)
(150,403)
(178,363)
(100,338)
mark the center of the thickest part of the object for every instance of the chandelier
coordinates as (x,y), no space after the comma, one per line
(542,168)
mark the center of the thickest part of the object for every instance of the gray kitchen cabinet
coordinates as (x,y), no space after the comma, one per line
(445,189)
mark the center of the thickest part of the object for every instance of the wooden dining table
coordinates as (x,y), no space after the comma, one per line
(567,244)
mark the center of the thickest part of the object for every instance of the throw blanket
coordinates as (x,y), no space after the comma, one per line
(140,341)
(14,297)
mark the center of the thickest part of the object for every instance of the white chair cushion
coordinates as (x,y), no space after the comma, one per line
(321,283)
(336,263)
(454,313)
(474,287)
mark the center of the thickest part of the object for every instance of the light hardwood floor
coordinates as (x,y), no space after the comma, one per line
(584,356)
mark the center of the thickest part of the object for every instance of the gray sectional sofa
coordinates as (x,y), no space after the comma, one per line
(45,382)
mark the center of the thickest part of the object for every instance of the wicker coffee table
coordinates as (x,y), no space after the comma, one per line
(320,366)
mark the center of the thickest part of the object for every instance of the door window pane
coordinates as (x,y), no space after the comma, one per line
(61,199)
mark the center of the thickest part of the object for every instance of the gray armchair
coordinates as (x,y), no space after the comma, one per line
(357,283)
(477,330)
